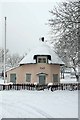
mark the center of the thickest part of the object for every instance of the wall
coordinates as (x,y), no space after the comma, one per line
(34,69)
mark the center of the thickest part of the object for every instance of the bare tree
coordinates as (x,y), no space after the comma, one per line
(65,25)
(13,59)
(2,54)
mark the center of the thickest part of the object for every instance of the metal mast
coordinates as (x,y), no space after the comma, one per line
(5,53)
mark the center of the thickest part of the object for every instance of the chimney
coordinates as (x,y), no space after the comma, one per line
(42,39)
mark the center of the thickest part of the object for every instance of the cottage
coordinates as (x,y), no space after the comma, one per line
(41,65)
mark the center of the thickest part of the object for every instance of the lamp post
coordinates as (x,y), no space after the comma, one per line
(5,53)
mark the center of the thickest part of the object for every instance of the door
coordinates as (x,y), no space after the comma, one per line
(42,79)
(13,78)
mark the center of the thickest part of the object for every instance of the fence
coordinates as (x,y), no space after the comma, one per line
(59,86)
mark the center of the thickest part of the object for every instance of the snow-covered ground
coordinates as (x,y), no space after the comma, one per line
(39,104)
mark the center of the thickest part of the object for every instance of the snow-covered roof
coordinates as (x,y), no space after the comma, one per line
(42,49)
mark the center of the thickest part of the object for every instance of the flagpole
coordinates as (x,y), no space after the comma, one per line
(5,53)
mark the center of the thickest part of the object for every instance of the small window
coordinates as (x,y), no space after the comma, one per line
(55,77)
(28,77)
(42,59)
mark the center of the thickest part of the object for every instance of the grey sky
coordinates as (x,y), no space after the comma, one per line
(25,24)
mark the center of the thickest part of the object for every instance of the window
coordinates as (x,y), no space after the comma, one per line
(13,78)
(42,59)
(28,77)
(55,77)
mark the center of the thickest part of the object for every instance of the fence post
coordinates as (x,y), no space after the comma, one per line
(61,86)
(3,87)
(52,88)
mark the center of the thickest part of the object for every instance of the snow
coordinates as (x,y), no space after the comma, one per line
(42,49)
(68,78)
(38,104)
(50,84)
(68,81)
(1,81)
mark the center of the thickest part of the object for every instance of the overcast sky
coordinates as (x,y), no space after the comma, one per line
(26,23)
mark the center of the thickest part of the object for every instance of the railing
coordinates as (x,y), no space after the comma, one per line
(60,86)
